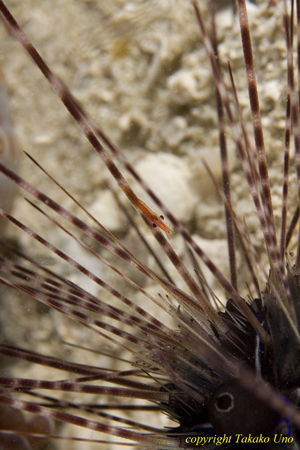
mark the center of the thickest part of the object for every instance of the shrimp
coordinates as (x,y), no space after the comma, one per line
(157,221)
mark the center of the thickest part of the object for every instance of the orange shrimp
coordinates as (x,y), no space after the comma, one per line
(156,220)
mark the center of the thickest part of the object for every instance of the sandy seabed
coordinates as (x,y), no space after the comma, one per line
(141,71)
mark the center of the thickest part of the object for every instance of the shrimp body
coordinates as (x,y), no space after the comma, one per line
(156,220)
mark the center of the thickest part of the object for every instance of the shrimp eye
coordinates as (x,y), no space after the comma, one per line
(154,225)
(162,217)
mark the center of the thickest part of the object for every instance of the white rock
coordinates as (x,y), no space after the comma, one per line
(174,131)
(106,210)
(170,177)
(184,86)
